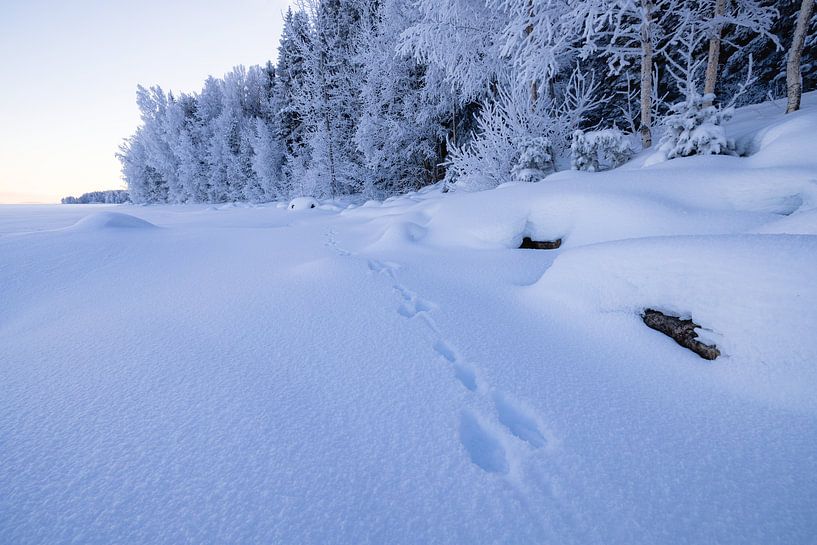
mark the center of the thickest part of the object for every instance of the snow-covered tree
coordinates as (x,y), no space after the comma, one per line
(462,38)
(109,196)
(695,127)
(506,124)
(290,85)
(627,32)
(535,161)
(331,101)
(145,183)
(599,150)
(153,105)
(537,41)
(382,96)
(182,138)
(267,163)
(403,126)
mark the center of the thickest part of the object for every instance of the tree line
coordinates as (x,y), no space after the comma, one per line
(378,97)
(109,196)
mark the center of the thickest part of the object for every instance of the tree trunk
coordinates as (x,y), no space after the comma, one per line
(646,73)
(534,88)
(712,61)
(794,81)
(332,179)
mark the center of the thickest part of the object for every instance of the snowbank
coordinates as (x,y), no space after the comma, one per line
(110,220)
(753,296)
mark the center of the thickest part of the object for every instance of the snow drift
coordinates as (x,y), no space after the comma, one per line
(110,220)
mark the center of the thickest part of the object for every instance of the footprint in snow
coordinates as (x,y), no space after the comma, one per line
(333,243)
(483,447)
(466,376)
(443,349)
(462,371)
(404,292)
(385,267)
(519,421)
(413,307)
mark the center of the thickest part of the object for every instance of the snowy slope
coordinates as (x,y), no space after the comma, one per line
(398,373)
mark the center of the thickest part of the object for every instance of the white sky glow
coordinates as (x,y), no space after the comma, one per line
(69,70)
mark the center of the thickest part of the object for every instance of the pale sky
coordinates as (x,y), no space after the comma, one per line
(69,70)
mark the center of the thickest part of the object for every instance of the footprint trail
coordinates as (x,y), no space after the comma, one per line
(485,436)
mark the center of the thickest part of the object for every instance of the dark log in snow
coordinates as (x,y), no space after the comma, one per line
(682,331)
(529,244)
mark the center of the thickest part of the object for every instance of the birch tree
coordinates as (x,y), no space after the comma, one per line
(794,81)
(750,15)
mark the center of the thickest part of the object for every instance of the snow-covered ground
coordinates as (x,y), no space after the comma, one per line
(398,372)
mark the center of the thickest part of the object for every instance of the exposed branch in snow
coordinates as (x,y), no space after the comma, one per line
(681,331)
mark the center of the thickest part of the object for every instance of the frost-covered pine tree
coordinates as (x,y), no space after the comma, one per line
(182,134)
(402,129)
(535,160)
(695,127)
(261,135)
(267,163)
(290,89)
(599,150)
(145,183)
(331,101)
(153,105)
(245,98)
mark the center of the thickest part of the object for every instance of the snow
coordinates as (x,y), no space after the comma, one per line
(110,220)
(399,372)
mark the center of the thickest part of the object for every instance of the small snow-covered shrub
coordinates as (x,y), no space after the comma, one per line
(535,159)
(695,128)
(599,150)
(486,159)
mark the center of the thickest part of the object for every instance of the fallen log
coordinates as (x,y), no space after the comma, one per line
(530,244)
(681,331)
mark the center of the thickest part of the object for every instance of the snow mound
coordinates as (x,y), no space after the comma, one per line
(751,294)
(302,203)
(110,220)
(582,211)
(788,140)
(401,232)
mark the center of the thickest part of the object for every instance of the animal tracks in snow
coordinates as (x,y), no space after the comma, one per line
(414,306)
(519,421)
(483,447)
(466,376)
(494,438)
(462,371)
(443,349)
(384,267)
(332,242)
